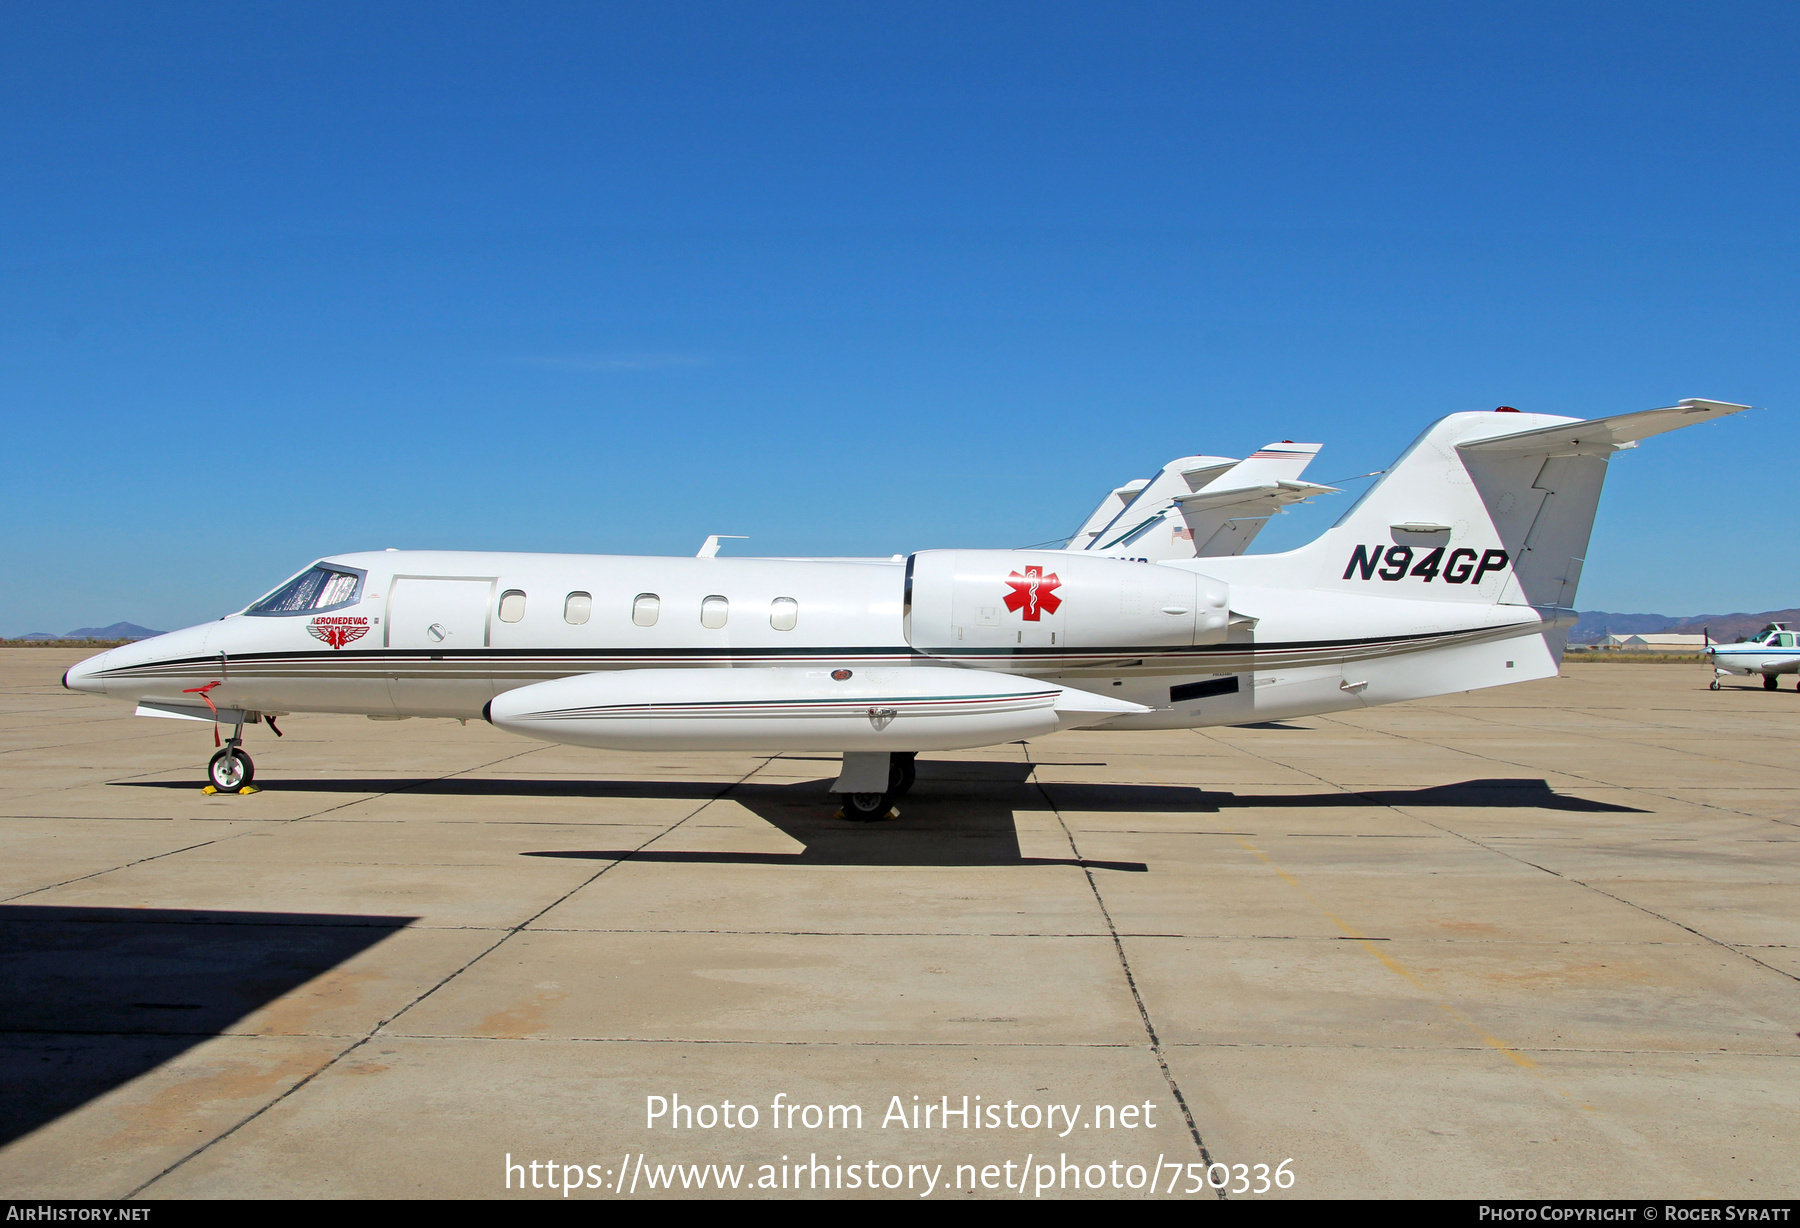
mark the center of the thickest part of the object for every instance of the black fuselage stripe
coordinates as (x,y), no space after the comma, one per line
(377,658)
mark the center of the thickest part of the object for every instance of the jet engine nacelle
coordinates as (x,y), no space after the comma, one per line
(962,599)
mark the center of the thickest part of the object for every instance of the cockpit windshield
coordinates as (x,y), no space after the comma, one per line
(317,588)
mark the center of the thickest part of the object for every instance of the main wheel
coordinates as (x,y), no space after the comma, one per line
(230,770)
(1715,684)
(868,807)
(1770,682)
(903,770)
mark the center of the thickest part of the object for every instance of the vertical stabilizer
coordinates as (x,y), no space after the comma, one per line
(1485,507)
(1115,502)
(1146,526)
(1204,506)
(1225,517)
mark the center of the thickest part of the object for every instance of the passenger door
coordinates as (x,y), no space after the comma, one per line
(439,612)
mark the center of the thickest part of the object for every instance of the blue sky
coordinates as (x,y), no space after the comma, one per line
(279,281)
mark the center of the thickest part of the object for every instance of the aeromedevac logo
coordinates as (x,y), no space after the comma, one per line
(1032,593)
(338,631)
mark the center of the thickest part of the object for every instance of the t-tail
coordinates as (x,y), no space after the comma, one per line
(1493,508)
(1199,506)
(1456,570)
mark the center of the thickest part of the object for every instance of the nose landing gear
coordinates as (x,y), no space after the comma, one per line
(230,769)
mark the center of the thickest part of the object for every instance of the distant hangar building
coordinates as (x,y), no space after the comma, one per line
(1656,642)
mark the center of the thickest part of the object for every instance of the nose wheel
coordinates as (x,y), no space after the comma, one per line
(230,770)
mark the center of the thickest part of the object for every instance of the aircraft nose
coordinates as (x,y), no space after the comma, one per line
(86,675)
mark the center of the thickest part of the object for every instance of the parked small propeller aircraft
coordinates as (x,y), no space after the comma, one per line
(1455,570)
(1770,652)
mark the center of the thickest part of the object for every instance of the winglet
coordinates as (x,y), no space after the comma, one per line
(711,548)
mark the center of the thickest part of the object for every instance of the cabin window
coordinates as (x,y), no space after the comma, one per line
(317,588)
(512,606)
(1784,640)
(644,609)
(578,608)
(784,612)
(714,611)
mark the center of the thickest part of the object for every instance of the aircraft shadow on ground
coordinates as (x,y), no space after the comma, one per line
(91,998)
(959,781)
(961,813)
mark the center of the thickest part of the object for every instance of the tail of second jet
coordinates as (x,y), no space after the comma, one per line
(1199,506)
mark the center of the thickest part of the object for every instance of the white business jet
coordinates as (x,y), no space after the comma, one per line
(1456,570)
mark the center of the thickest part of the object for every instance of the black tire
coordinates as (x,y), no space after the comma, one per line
(903,770)
(230,770)
(1770,682)
(868,807)
(1715,684)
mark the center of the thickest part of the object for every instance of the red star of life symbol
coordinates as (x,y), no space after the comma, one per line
(1032,593)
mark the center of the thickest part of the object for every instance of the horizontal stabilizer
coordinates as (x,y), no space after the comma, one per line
(1200,475)
(1600,436)
(1275,494)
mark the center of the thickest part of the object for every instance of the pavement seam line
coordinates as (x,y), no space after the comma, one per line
(269,825)
(484,953)
(1462,750)
(1597,1117)
(1156,1049)
(1568,878)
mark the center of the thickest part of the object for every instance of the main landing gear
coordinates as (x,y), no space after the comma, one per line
(871,807)
(1770,682)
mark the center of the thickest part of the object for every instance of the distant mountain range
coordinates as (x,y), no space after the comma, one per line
(118,631)
(1596,625)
